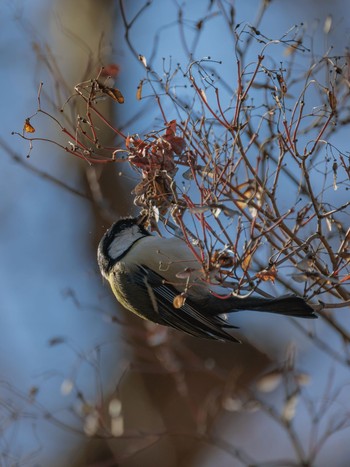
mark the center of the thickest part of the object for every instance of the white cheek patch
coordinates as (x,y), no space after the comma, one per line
(124,241)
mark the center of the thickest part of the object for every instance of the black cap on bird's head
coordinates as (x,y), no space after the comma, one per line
(118,240)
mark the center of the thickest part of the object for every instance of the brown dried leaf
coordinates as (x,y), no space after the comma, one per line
(179,301)
(115,94)
(282,84)
(28,128)
(247,260)
(267,274)
(139,91)
(332,100)
(204,97)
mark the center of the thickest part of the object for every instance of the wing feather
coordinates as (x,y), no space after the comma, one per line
(187,318)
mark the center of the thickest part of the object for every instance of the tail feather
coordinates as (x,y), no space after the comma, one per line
(289,305)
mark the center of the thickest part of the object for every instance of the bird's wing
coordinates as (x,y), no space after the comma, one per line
(187,318)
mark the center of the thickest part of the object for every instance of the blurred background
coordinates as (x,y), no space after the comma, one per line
(82,382)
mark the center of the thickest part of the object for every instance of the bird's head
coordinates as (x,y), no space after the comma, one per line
(118,240)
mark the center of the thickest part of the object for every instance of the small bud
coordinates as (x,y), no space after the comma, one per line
(269,382)
(117,426)
(67,387)
(289,408)
(91,423)
(143,60)
(232,405)
(303,379)
(115,407)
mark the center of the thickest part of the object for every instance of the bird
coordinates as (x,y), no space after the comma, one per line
(160,280)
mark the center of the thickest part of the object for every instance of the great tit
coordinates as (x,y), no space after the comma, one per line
(160,280)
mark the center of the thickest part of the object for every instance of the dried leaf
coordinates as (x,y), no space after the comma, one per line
(139,91)
(282,84)
(28,128)
(204,97)
(267,274)
(246,261)
(115,94)
(332,100)
(179,301)
(177,142)
(171,128)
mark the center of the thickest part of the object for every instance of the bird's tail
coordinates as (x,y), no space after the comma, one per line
(289,305)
